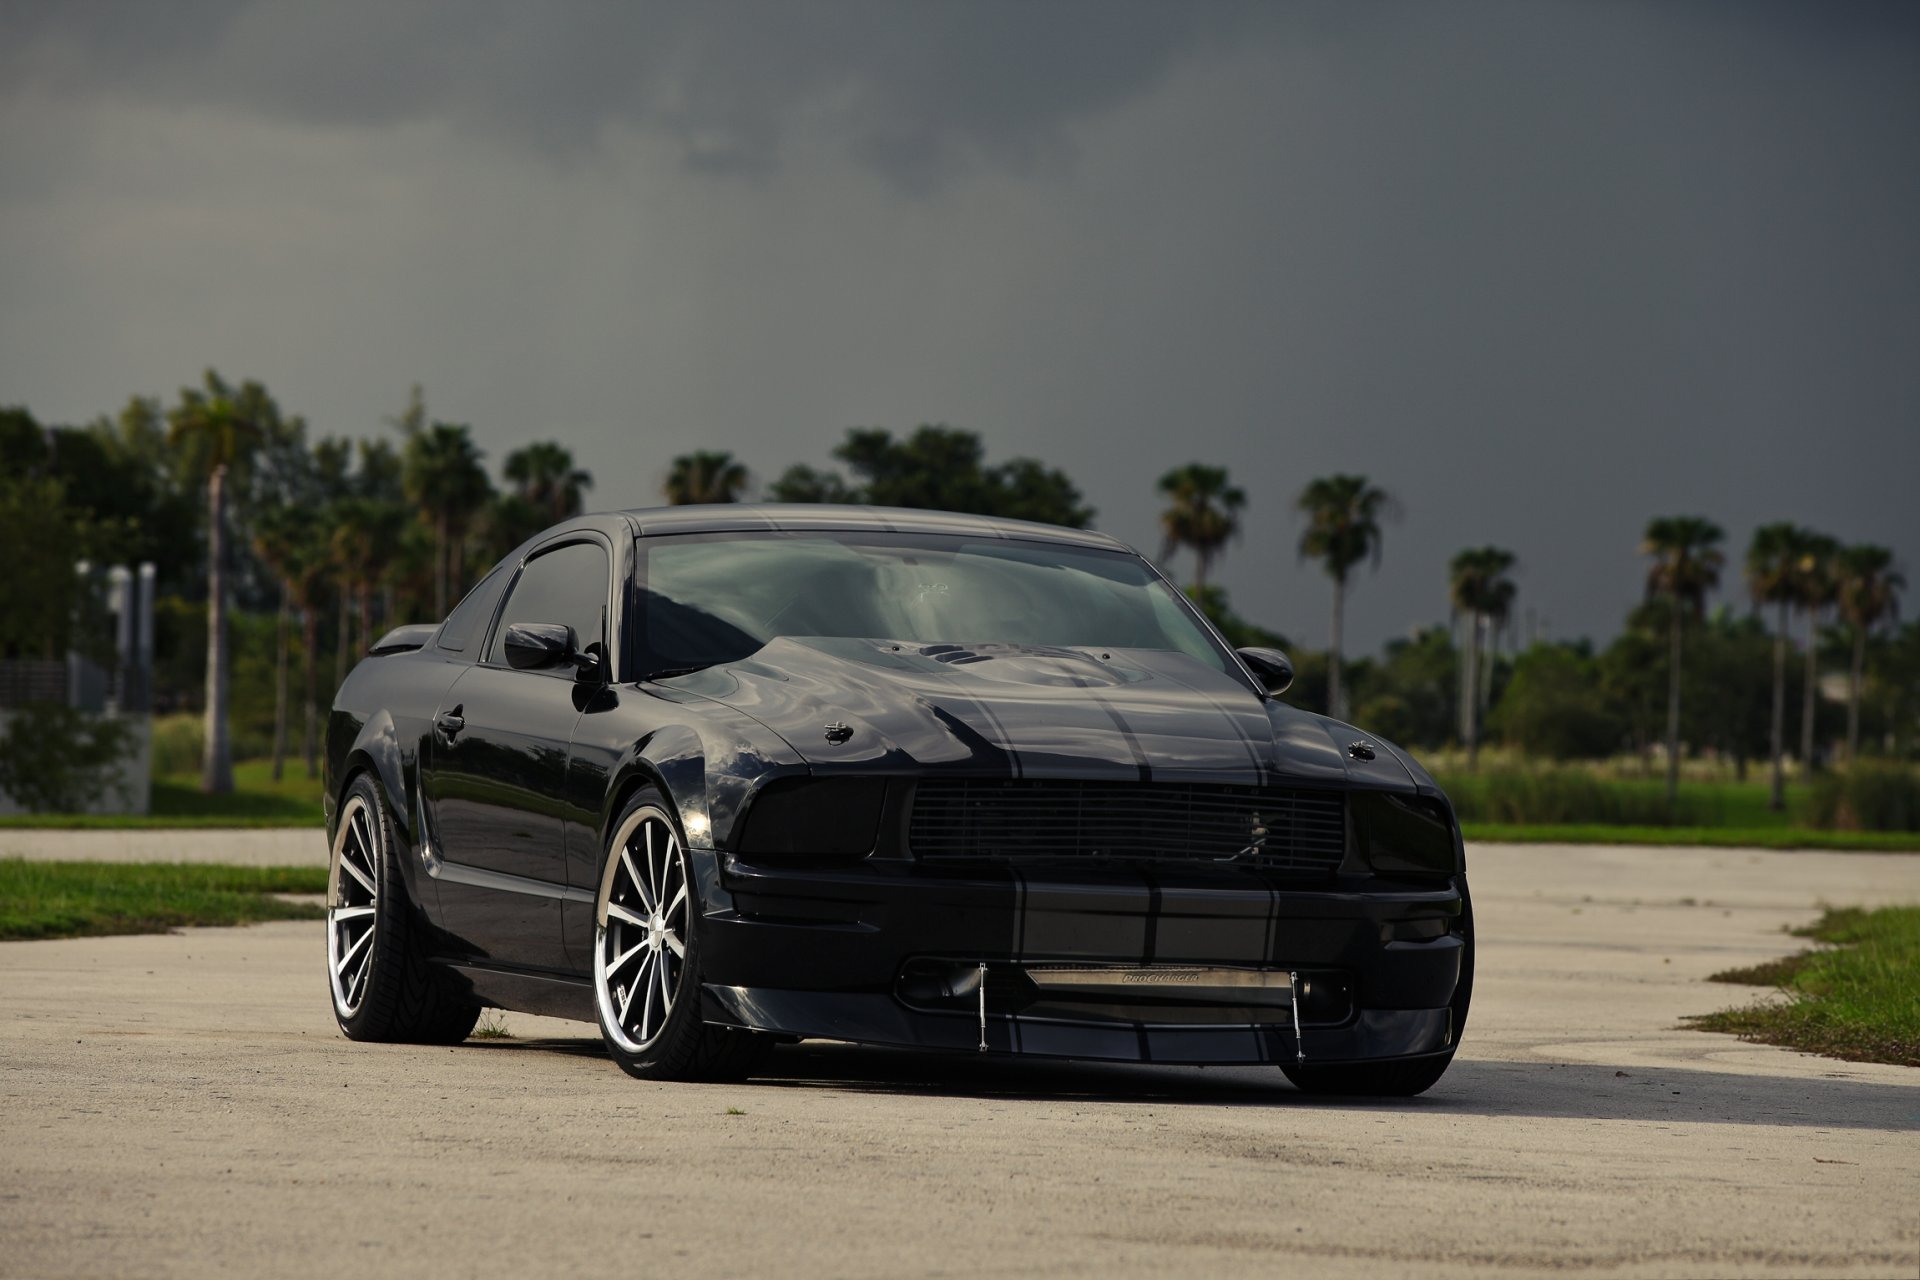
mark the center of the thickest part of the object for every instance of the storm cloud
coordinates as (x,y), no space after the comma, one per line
(1543,271)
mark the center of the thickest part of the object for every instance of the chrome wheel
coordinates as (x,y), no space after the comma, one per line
(353,902)
(641,930)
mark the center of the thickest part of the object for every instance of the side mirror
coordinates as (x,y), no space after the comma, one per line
(1269,666)
(531,646)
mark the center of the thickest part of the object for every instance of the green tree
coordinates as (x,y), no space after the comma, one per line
(705,476)
(1686,566)
(1343,528)
(545,478)
(1202,514)
(276,538)
(1212,601)
(1817,586)
(937,468)
(1481,591)
(1553,706)
(365,533)
(801,483)
(1408,695)
(1868,594)
(443,478)
(216,437)
(1773,558)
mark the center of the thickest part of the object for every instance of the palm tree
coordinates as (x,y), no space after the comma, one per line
(442,476)
(1204,514)
(1869,594)
(1817,584)
(1686,566)
(217,438)
(545,477)
(366,534)
(1343,528)
(275,535)
(705,476)
(1771,560)
(1480,589)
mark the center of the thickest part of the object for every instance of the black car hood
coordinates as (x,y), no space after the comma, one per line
(1031,711)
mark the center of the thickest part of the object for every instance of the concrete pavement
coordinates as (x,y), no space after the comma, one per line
(183,1105)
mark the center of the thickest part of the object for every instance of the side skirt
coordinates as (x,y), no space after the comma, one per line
(549,995)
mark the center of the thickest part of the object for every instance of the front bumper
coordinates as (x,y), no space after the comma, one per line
(843,953)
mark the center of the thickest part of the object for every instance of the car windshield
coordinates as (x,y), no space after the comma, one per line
(706,599)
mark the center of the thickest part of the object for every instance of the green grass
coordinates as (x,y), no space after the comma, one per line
(1859,1000)
(86,899)
(1771,837)
(177,801)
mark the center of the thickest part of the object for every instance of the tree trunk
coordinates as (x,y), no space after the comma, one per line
(343,640)
(1673,706)
(366,615)
(1777,795)
(1470,699)
(1809,703)
(440,554)
(1853,692)
(282,639)
(310,636)
(216,759)
(1336,696)
(1490,651)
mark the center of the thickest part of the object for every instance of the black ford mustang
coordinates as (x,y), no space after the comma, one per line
(721,777)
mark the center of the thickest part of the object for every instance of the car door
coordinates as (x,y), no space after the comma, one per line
(497,771)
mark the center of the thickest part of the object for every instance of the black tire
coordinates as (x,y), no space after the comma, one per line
(647,909)
(1407,1077)
(380,985)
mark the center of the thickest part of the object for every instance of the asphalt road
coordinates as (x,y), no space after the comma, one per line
(183,1105)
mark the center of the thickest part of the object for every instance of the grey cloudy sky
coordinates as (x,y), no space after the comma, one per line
(1541,270)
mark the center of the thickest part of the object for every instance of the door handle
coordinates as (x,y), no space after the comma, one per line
(450,722)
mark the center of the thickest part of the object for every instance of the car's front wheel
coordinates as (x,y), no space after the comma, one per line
(646,956)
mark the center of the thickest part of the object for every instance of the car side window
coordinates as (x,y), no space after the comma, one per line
(466,626)
(568,585)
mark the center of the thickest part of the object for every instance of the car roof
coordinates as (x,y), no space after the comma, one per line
(767,517)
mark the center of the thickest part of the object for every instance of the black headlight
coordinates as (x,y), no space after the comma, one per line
(812,817)
(1406,835)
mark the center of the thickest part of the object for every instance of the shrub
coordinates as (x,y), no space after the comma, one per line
(179,739)
(54,759)
(1537,796)
(1867,795)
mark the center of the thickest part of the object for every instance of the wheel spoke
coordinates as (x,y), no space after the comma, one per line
(649,860)
(357,986)
(356,872)
(646,1014)
(343,914)
(363,826)
(672,940)
(678,899)
(633,877)
(626,1001)
(347,956)
(666,996)
(617,912)
(620,960)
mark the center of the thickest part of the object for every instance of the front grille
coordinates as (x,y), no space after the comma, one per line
(1279,829)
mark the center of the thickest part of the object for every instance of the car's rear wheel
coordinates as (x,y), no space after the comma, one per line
(382,986)
(1408,1077)
(646,956)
